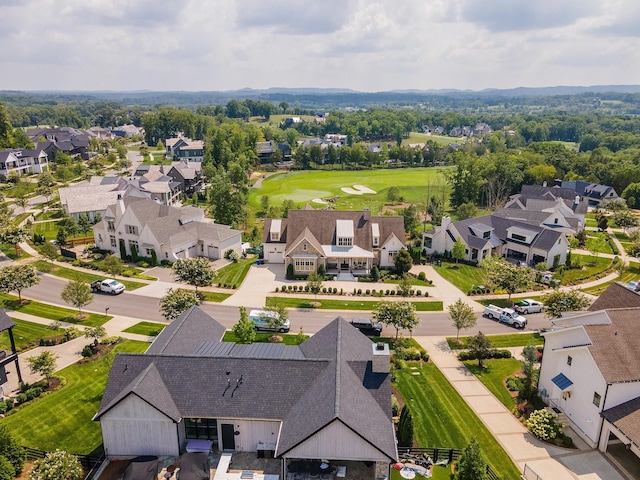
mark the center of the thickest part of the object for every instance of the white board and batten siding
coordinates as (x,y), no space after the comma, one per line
(337,441)
(135,427)
(252,432)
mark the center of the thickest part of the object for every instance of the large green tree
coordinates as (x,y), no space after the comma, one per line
(400,315)
(175,302)
(17,278)
(404,432)
(403,261)
(506,276)
(194,271)
(560,301)
(244,329)
(13,235)
(480,347)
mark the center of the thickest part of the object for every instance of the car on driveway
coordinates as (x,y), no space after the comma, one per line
(528,305)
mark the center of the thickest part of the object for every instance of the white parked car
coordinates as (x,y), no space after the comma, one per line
(528,306)
(633,285)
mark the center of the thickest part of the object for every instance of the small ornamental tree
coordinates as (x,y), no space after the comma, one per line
(471,465)
(244,330)
(403,261)
(314,282)
(405,428)
(175,302)
(459,250)
(290,273)
(530,373)
(43,364)
(374,273)
(48,251)
(276,315)
(404,287)
(11,450)
(194,271)
(543,424)
(97,333)
(398,314)
(559,301)
(77,293)
(112,265)
(480,347)
(17,278)
(57,465)
(462,316)
(13,235)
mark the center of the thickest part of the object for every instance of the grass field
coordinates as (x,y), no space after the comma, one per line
(26,335)
(287,338)
(62,419)
(591,267)
(52,312)
(151,329)
(441,417)
(462,276)
(278,119)
(71,274)
(442,140)
(303,186)
(501,341)
(214,297)
(631,273)
(10,252)
(493,376)
(20,188)
(234,273)
(591,241)
(329,304)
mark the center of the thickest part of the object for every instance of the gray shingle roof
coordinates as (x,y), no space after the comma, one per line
(615,346)
(328,378)
(626,417)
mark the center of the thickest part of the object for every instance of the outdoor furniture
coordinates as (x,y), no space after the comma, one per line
(341,471)
(194,446)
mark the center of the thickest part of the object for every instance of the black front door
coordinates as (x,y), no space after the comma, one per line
(228,438)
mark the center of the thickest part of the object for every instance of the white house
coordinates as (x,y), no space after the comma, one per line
(327,398)
(344,242)
(146,226)
(22,161)
(591,373)
(498,235)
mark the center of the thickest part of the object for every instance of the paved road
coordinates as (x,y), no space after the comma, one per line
(146,308)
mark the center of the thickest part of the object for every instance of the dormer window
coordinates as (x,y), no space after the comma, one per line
(345,241)
(486,235)
(375,233)
(274,230)
(275,236)
(344,233)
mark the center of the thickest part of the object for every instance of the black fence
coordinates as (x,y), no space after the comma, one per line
(449,454)
(89,462)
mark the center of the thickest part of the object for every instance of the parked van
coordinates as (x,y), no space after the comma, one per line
(260,319)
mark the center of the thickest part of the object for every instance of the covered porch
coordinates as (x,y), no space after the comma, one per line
(620,438)
(354,260)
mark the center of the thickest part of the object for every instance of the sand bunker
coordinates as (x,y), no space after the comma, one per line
(319,200)
(357,190)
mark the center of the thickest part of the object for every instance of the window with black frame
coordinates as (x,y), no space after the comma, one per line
(201,428)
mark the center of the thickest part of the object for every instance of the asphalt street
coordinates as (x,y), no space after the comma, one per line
(147,308)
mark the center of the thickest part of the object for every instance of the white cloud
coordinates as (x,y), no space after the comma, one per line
(361,44)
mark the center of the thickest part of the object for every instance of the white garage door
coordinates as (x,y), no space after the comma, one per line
(274,256)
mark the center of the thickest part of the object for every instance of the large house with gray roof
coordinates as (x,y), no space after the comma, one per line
(595,194)
(498,235)
(144,226)
(327,398)
(344,242)
(590,373)
(21,161)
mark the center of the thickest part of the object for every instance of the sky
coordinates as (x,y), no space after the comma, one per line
(365,45)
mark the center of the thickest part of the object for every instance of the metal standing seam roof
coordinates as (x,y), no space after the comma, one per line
(561,381)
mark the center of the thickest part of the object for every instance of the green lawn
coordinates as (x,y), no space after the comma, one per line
(49,229)
(287,338)
(215,297)
(442,140)
(462,276)
(234,273)
(10,251)
(329,304)
(303,186)
(51,214)
(441,417)
(52,312)
(72,274)
(592,267)
(20,188)
(151,329)
(493,376)
(502,341)
(631,273)
(26,335)
(62,419)
(591,240)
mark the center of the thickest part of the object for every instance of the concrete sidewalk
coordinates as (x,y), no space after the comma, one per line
(548,461)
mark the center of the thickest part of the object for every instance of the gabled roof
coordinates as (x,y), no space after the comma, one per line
(327,378)
(626,417)
(616,296)
(615,346)
(304,235)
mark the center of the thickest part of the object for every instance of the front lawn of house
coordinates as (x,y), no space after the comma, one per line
(592,268)
(331,304)
(62,419)
(493,376)
(73,274)
(441,417)
(214,297)
(287,338)
(27,334)
(51,312)
(233,274)
(632,272)
(150,329)
(461,275)
(501,341)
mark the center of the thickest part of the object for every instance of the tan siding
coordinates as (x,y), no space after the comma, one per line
(336,441)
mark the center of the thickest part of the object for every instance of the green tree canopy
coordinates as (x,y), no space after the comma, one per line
(560,301)
(175,302)
(77,293)
(18,277)
(11,450)
(462,316)
(403,261)
(459,250)
(480,347)
(471,465)
(194,271)
(401,315)
(506,276)
(43,364)
(244,329)
(57,465)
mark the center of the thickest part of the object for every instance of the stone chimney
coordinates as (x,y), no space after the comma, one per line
(380,362)
(445,222)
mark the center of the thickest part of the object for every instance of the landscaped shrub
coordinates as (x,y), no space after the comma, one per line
(514,384)
(21,398)
(3,408)
(87,351)
(543,424)
(422,276)
(418,293)
(111,340)
(324,290)
(465,355)
(359,291)
(9,403)
(367,292)
(395,406)
(232,255)
(392,292)
(33,393)
(276,289)
(289,274)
